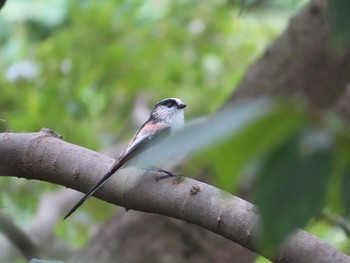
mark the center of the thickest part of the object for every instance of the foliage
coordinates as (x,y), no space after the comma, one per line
(78,68)
(300,159)
(299,162)
(339,14)
(293,181)
(88,70)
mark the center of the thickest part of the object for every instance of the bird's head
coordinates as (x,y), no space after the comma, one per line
(170,111)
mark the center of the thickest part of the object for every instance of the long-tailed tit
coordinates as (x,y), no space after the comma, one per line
(166,117)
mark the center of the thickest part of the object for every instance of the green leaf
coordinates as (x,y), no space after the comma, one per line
(340,21)
(345,191)
(339,195)
(291,187)
(255,140)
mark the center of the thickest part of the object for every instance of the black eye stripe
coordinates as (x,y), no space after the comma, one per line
(168,103)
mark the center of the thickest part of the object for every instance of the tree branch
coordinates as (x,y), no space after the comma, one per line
(18,238)
(43,157)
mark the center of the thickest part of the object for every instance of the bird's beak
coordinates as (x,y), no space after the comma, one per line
(182,105)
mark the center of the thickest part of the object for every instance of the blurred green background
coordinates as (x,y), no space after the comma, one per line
(78,67)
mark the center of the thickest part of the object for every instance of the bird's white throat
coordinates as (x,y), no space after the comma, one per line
(178,121)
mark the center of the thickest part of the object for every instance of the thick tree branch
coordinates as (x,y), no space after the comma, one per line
(43,157)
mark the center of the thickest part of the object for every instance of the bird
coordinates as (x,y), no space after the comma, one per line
(166,117)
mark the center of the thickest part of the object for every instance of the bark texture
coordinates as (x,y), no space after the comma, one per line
(43,157)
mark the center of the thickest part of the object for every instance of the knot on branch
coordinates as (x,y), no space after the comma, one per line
(50,133)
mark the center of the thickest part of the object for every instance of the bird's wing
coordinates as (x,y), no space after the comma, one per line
(148,135)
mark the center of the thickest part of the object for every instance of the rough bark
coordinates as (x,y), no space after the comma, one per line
(43,157)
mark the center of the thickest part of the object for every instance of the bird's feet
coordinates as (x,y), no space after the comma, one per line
(166,174)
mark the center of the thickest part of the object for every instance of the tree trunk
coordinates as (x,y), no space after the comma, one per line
(302,63)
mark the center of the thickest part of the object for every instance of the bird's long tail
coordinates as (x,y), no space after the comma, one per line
(101,182)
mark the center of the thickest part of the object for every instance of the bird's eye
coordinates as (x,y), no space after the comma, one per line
(170,104)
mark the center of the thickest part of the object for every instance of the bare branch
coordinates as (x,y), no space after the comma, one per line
(39,156)
(18,238)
